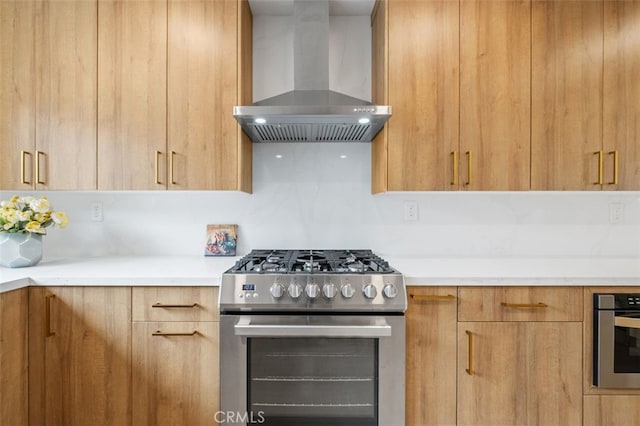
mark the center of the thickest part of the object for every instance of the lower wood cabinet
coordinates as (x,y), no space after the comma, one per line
(14,308)
(611,410)
(494,356)
(431,366)
(79,356)
(175,356)
(175,373)
(519,373)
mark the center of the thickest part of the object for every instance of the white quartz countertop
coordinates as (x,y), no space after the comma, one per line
(207,271)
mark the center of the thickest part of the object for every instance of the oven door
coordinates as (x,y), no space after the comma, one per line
(617,349)
(324,370)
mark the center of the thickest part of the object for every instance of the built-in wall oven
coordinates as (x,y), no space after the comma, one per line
(616,338)
(312,338)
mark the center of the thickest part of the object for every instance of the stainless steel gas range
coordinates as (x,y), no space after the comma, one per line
(312,337)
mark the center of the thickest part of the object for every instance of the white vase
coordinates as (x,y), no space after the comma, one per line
(19,250)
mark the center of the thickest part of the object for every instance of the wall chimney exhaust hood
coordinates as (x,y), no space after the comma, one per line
(311,112)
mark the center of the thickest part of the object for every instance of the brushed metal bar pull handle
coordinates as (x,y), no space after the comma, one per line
(470,370)
(157,172)
(600,167)
(615,167)
(160,333)
(47,315)
(431,297)
(171,179)
(524,305)
(161,305)
(38,181)
(468,153)
(454,167)
(23,177)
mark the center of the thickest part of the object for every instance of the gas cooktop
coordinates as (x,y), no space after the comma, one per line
(312,280)
(312,261)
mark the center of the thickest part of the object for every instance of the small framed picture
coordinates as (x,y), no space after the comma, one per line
(221,240)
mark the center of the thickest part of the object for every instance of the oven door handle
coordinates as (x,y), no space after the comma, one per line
(245,328)
(626,322)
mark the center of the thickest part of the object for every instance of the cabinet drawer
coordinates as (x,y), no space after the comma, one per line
(520,304)
(175,304)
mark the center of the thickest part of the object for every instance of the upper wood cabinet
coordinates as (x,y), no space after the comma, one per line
(415,70)
(49,95)
(495,70)
(132,89)
(566,85)
(17,94)
(621,124)
(170,74)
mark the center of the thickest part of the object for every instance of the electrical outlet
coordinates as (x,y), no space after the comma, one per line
(96,212)
(616,213)
(410,211)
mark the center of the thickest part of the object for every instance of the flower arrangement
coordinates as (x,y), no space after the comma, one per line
(21,215)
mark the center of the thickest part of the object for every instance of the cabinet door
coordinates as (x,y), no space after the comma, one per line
(423,58)
(431,368)
(14,311)
(203,143)
(132,89)
(175,373)
(611,410)
(521,373)
(621,93)
(80,356)
(66,95)
(17,94)
(495,116)
(566,87)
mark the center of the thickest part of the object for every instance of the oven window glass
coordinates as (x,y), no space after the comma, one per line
(313,381)
(627,346)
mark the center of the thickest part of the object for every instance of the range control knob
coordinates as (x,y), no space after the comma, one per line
(347,291)
(329,290)
(389,291)
(294,290)
(312,290)
(369,291)
(277,290)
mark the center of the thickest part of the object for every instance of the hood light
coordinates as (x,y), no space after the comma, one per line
(343,156)
(363,120)
(259,121)
(278,155)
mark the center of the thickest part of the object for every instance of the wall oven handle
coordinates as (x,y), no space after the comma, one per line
(245,328)
(626,322)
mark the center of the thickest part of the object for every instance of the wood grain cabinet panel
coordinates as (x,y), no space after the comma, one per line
(416,73)
(519,373)
(175,304)
(14,320)
(431,366)
(132,89)
(175,373)
(495,74)
(66,95)
(485,303)
(566,87)
(621,123)
(17,94)
(80,355)
(611,410)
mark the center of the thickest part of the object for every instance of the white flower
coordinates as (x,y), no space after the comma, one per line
(41,205)
(34,227)
(60,219)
